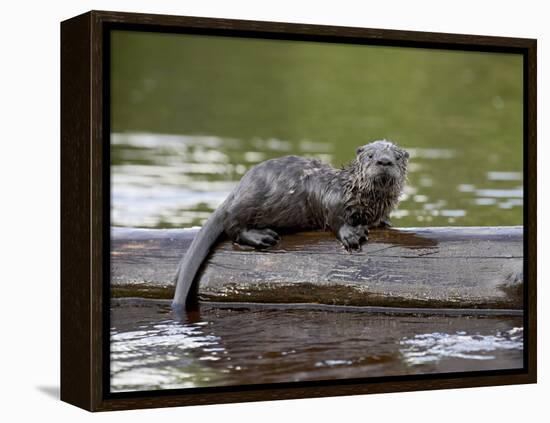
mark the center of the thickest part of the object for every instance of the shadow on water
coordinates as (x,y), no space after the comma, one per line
(151,350)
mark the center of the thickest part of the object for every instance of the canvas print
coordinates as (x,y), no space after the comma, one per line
(300,211)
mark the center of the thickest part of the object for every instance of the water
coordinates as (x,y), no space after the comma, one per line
(191,114)
(219,347)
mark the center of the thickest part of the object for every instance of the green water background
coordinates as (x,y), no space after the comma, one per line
(190,114)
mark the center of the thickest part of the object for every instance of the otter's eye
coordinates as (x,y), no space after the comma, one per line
(370,156)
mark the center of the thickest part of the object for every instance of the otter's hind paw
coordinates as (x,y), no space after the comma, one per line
(258,238)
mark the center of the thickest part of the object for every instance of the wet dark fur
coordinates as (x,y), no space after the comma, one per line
(295,193)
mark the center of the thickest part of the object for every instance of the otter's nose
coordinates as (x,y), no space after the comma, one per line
(384,161)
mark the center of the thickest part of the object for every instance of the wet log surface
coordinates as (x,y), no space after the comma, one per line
(457,268)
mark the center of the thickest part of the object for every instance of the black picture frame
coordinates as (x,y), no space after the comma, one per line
(85,205)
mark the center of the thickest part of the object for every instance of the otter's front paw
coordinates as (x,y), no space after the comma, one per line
(351,237)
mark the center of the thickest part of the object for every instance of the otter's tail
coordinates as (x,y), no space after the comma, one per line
(197,252)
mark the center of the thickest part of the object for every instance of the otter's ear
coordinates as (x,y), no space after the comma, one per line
(359,149)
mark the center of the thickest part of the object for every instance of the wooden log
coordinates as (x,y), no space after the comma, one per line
(444,267)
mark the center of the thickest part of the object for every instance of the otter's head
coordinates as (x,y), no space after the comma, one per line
(383,162)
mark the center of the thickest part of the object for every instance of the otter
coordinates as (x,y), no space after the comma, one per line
(294,194)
